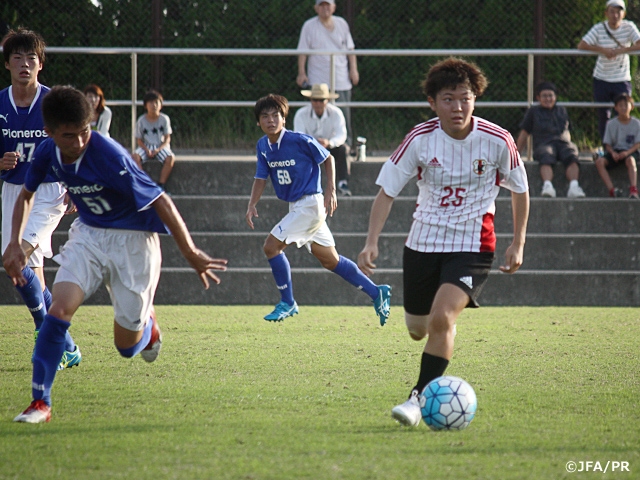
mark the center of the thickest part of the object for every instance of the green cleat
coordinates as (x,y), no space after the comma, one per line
(382,304)
(70,359)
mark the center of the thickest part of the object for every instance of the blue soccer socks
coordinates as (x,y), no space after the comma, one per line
(282,274)
(138,347)
(32,296)
(348,270)
(49,349)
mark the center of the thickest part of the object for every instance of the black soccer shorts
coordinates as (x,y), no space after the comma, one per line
(423,273)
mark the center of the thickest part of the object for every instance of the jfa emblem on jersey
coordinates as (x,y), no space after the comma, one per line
(480,166)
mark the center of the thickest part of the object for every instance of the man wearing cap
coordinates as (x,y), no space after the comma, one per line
(325,122)
(328,32)
(612,39)
(548,123)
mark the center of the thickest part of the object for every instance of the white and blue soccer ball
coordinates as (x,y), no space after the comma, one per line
(448,403)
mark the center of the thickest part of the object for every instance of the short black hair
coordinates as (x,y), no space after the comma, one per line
(152,95)
(450,73)
(271,102)
(65,105)
(623,96)
(23,40)
(546,86)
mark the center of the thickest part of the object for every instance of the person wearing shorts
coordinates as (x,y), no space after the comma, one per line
(292,160)
(20,133)
(461,161)
(548,124)
(621,143)
(153,135)
(113,241)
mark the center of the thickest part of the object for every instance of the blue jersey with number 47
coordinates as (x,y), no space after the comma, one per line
(293,164)
(22,131)
(106,186)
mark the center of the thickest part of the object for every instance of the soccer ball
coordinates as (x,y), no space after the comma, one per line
(448,403)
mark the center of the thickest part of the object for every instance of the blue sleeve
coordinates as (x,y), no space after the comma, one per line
(135,182)
(39,166)
(262,168)
(317,151)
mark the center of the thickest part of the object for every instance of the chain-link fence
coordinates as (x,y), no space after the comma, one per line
(375,24)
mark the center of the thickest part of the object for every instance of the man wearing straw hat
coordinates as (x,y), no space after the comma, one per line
(325,122)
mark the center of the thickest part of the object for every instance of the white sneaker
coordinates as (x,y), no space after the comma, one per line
(575,192)
(408,413)
(548,190)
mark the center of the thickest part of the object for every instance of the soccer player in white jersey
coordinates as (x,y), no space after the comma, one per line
(114,241)
(460,162)
(292,160)
(21,131)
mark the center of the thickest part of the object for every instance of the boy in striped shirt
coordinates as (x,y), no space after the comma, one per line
(460,162)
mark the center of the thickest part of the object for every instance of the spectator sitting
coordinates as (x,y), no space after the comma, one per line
(101,120)
(328,32)
(548,123)
(612,39)
(621,143)
(325,122)
(153,134)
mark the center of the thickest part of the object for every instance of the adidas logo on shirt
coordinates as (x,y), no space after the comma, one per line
(434,163)
(468,281)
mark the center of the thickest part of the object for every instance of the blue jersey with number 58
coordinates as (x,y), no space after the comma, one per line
(293,164)
(22,131)
(105,184)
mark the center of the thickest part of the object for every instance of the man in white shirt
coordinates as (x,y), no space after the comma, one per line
(325,122)
(613,39)
(328,32)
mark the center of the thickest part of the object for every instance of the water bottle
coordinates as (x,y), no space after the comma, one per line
(362,149)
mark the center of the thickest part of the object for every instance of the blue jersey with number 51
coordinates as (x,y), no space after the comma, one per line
(293,165)
(106,186)
(22,131)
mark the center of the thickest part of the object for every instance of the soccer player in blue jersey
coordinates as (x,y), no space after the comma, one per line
(292,160)
(21,132)
(114,241)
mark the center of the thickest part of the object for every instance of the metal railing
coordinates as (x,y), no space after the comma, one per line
(134,52)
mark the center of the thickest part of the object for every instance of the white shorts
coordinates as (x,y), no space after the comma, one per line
(48,209)
(126,261)
(305,224)
(161,156)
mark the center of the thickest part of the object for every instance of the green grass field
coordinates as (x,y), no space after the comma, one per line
(234,397)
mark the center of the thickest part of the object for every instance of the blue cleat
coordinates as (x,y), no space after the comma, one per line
(282,311)
(382,304)
(70,359)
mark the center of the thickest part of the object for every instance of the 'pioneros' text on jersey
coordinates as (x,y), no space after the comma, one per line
(458,183)
(22,131)
(106,186)
(293,164)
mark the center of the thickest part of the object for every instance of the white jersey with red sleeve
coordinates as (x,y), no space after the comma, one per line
(458,183)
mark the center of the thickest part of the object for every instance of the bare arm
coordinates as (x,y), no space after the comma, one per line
(302,70)
(202,263)
(521,142)
(607,52)
(330,198)
(515,252)
(377,218)
(14,258)
(354,75)
(256,192)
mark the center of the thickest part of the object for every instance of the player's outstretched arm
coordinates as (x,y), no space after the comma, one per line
(202,263)
(514,255)
(378,217)
(14,258)
(256,192)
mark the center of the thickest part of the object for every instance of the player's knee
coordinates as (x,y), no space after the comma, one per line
(418,335)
